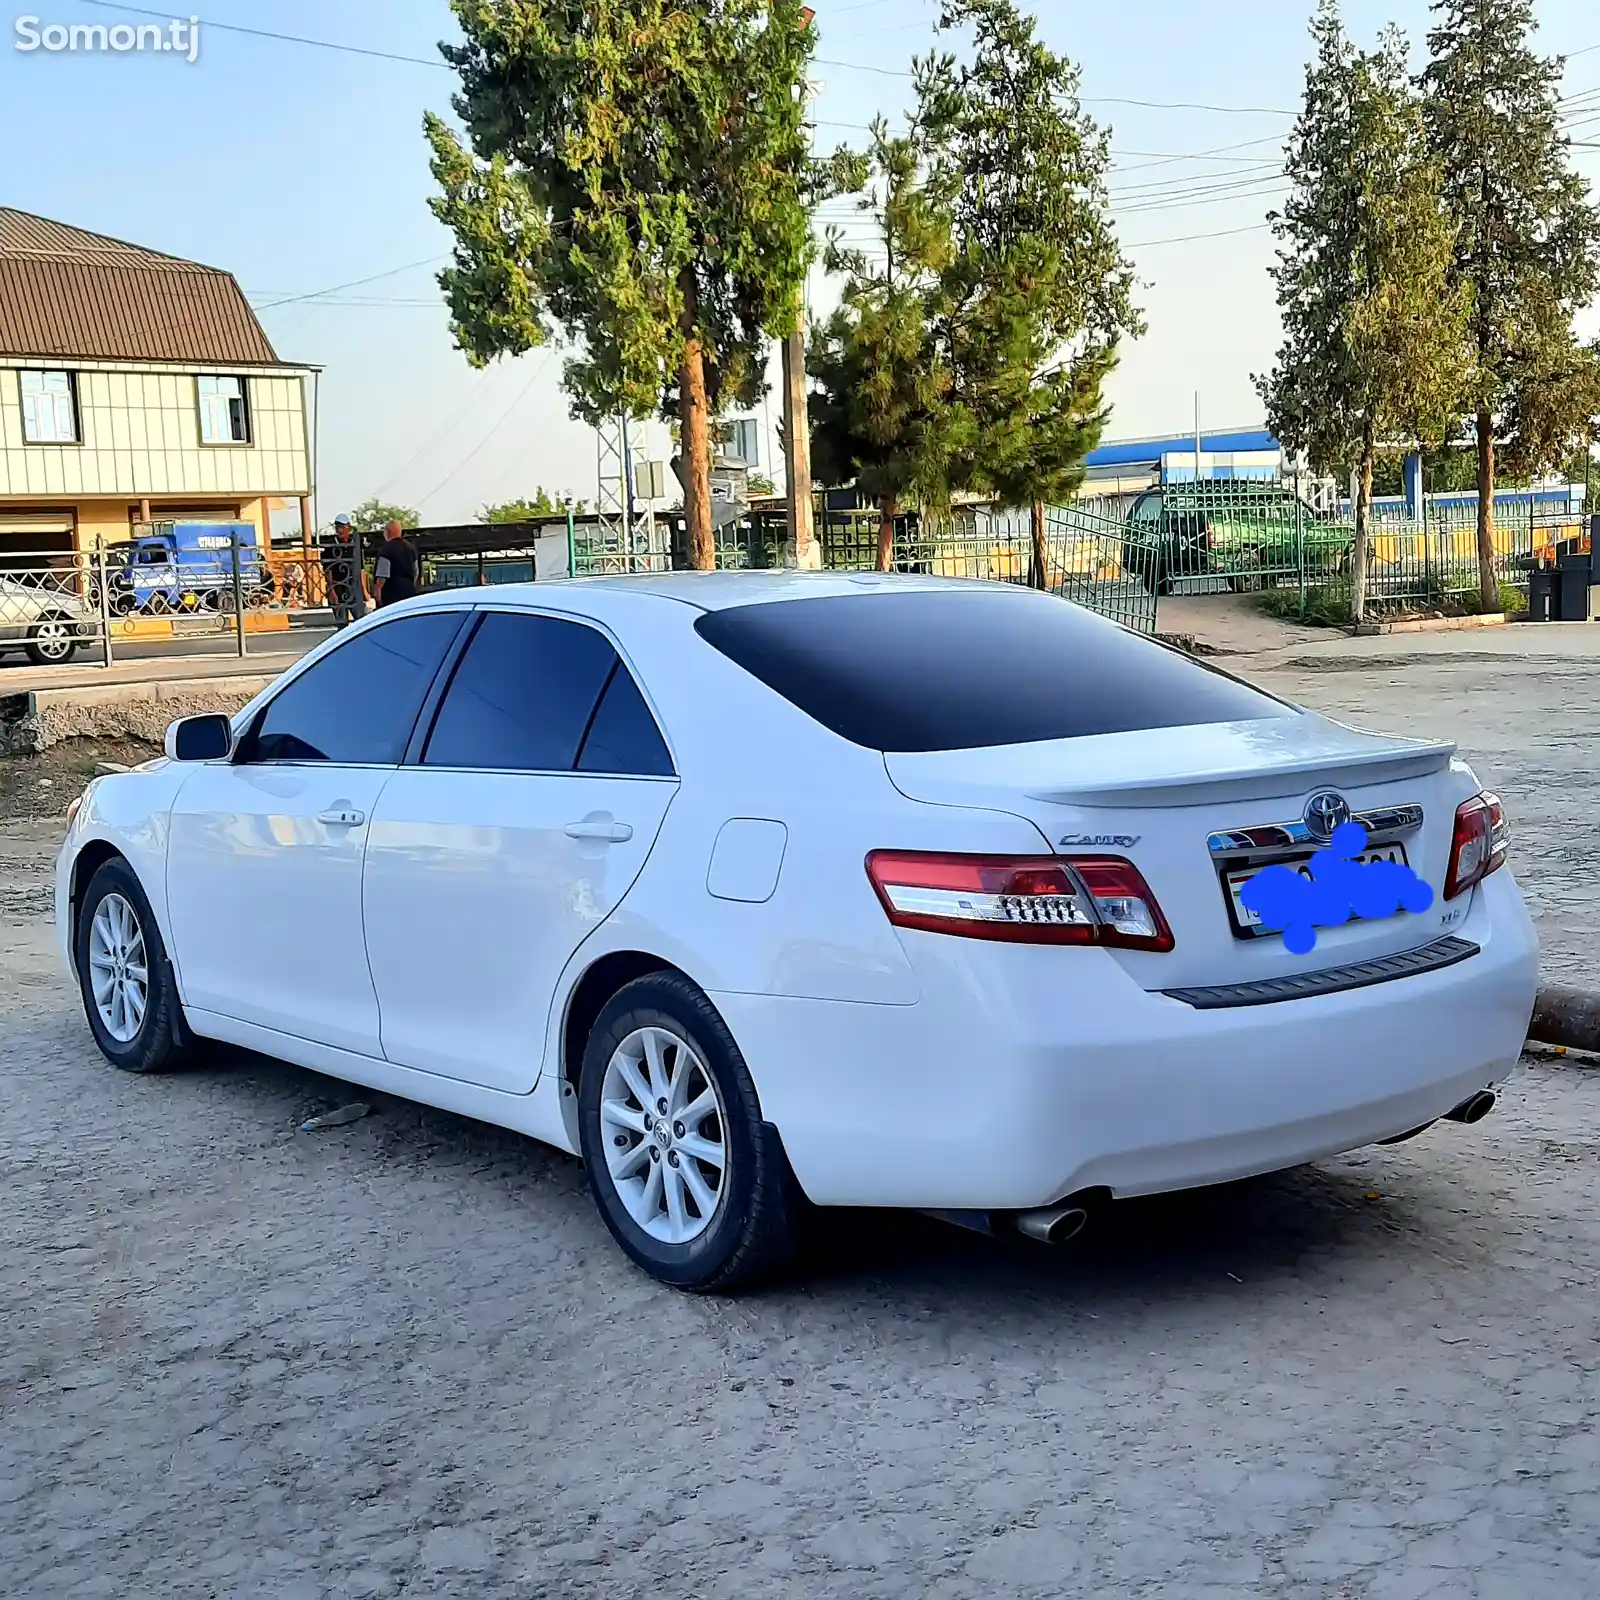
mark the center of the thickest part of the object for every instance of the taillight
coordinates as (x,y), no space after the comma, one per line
(1479,846)
(1027,900)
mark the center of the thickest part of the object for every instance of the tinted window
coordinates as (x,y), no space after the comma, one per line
(966,669)
(522,696)
(624,736)
(357,705)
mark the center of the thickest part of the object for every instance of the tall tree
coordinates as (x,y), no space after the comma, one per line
(543,504)
(1374,350)
(1528,240)
(883,415)
(636,180)
(1039,290)
(373,516)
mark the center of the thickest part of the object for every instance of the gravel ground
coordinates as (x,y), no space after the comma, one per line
(403,1359)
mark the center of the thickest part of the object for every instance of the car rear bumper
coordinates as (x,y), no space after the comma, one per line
(1026,1074)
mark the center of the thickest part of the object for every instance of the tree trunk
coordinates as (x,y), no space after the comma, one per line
(1488,582)
(1041,563)
(1358,549)
(694,417)
(886,510)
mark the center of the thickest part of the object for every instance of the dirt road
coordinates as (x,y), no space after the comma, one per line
(403,1358)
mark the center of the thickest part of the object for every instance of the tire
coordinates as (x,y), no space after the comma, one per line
(52,641)
(663,1028)
(1246,581)
(161,1040)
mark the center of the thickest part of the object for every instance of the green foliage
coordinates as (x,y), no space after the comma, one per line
(1528,239)
(371,516)
(1327,605)
(972,344)
(543,504)
(637,181)
(884,413)
(1039,291)
(1374,327)
(760,484)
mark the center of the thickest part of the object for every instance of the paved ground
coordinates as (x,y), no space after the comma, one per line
(167,660)
(402,1359)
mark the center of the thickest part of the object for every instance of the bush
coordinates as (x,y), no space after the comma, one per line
(1327,605)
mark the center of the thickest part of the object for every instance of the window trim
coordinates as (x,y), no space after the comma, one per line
(246,400)
(423,732)
(245,738)
(76,441)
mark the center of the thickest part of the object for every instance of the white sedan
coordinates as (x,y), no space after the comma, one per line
(757,890)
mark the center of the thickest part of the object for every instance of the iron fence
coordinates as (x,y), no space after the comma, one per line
(50,609)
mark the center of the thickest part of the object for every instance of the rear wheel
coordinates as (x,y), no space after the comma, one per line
(1251,574)
(691,1182)
(52,641)
(129,994)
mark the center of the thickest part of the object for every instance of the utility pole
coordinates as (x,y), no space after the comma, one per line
(801,545)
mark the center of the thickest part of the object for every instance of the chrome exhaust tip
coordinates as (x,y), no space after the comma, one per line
(1054,1224)
(1474,1108)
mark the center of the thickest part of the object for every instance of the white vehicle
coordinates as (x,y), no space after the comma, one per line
(764,889)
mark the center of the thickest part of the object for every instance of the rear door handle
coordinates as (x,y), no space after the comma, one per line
(348,817)
(605,832)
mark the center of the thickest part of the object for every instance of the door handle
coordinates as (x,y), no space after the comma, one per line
(605,832)
(346,817)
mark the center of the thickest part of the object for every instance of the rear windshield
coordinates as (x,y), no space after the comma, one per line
(947,669)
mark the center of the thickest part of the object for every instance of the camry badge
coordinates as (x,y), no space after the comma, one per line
(1099,841)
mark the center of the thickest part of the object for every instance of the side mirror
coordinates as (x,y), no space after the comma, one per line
(206,738)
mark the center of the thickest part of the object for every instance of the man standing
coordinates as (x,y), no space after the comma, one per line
(397,568)
(341,571)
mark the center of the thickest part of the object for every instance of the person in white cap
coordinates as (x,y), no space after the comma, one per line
(341,571)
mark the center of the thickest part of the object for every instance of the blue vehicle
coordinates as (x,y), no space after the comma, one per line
(186,566)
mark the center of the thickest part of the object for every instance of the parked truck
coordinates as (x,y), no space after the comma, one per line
(186,566)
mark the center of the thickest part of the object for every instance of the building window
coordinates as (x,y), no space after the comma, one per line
(224,411)
(49,408)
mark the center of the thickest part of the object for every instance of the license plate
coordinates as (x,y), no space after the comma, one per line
(1248,925)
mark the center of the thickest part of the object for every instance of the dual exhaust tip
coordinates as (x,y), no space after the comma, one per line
(1060,1223)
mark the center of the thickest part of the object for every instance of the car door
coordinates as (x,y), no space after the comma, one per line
(522,821)
(265,852)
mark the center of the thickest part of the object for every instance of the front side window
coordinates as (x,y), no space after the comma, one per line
(49,408)
(542,694)
(358,704)
(224,411)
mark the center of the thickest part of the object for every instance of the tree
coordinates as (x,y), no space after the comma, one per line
(1528,240)
(1374,346)
(883,414)
(373,516)
(543,504)
(636,180)
(1039,291)
(759,483)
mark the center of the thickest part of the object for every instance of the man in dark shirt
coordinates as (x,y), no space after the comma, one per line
(341,571)
(397,568)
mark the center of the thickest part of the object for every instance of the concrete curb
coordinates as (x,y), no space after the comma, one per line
(1567,1017)
(1369,630)
(34,720)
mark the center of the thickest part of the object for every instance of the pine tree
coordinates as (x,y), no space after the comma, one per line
(883,414)
(1040,293)
(636,181)
(1528,240)
(1374,349)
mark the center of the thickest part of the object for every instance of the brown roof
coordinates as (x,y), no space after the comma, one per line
(68,293)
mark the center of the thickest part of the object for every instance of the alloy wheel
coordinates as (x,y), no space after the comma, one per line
(119,972)
(53,640)
(665,1132)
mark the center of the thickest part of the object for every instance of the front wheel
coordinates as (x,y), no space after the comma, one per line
(129,995)
(52,642)
(690,1180)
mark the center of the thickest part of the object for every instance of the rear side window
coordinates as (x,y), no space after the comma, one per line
(947,669)
(358,704)
(542,694)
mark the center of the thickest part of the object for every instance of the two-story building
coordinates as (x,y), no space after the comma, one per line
(135,387)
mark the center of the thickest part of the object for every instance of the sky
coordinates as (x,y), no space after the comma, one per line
(303,170)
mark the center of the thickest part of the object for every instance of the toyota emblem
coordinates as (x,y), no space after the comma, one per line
(1324,813)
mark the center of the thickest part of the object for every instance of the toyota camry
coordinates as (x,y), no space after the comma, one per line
(768,890)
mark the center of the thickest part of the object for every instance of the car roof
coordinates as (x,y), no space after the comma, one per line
(718,591)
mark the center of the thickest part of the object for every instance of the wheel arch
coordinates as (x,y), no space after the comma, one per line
(605,977)
(85,864)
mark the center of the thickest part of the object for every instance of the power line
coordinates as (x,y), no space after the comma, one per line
(283,38)
(355,283)
(1191,238)
(505,417)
